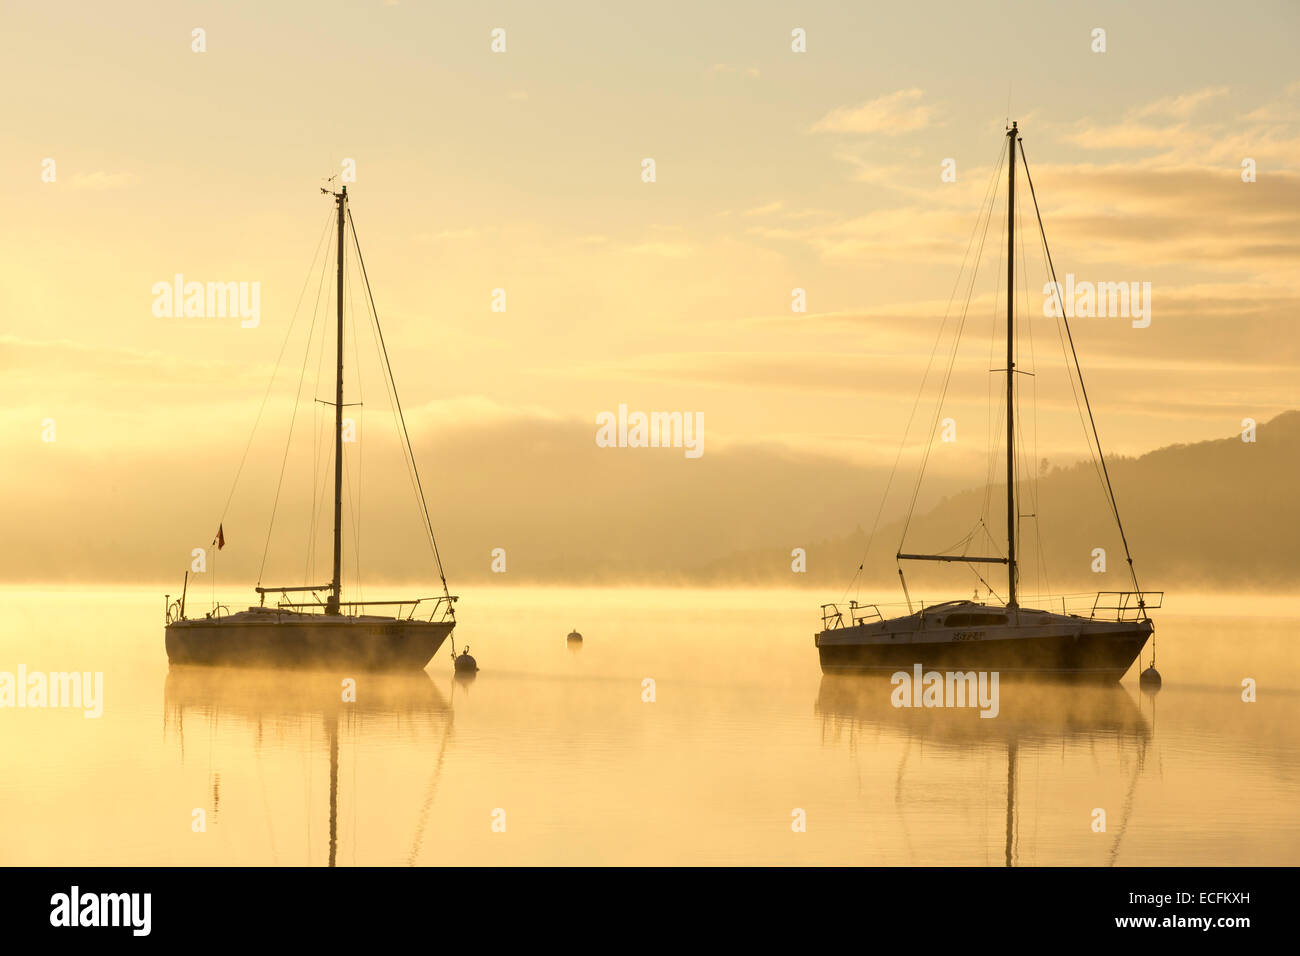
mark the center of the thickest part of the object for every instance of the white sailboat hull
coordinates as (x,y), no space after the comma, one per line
(266,637)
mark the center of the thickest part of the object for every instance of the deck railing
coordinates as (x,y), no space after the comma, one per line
(1094,605)
(1126,605)
(833,617)
(440,607)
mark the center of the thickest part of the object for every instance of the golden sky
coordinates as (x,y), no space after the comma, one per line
(522,170)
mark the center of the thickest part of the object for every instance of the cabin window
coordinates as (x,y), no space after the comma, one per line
(974,620)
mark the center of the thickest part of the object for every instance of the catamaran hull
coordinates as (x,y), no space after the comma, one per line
(1100,655)
(308,644)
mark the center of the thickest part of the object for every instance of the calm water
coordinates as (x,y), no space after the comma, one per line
(743,731)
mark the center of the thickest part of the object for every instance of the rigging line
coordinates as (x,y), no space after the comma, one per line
(943,392)
(1083,388)
(283,345)
(388,365)
(392,407)
(309,562)
(991,462)
(289,440)
(921,391)
(318,441)
(989,200)
(993,543)
(352,517)
(320,479)
(397,426)
(1070,377)
(360,442)
(962,542)
(988,587)
(1034,471)
(992,427)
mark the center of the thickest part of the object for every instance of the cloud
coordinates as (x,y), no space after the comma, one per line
(1181,106)
(891,114)
(1270,131)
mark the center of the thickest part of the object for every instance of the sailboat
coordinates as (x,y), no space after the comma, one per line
(1102,643)
(334,633)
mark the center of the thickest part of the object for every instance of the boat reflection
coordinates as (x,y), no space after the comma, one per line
(1031,714)
(292,705)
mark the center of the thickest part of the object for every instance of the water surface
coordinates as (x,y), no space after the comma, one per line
(743,731)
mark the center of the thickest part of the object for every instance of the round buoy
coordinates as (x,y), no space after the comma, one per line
(464,664)
(1150,678)
(575,637)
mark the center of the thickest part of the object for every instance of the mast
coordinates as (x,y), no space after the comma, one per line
(1011,366)
(332,606)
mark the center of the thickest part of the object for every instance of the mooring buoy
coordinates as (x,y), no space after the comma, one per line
(464,664)
(1150,678)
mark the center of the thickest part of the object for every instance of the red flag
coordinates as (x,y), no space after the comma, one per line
(220,539)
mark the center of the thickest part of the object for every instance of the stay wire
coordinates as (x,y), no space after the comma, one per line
(1083,388)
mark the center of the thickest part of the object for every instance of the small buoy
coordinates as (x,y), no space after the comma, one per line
(575,637)
(1150,678)
(463,663)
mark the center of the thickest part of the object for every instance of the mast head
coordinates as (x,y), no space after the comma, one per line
(329,191)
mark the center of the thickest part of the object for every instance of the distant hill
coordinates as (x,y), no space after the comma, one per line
(1221,513)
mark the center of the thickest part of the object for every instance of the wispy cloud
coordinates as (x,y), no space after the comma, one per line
(891,114)
(1181,106)
(1164,128)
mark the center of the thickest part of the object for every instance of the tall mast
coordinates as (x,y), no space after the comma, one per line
(1011,366)
(332,606)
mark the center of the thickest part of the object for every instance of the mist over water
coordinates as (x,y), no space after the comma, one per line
(743,731)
